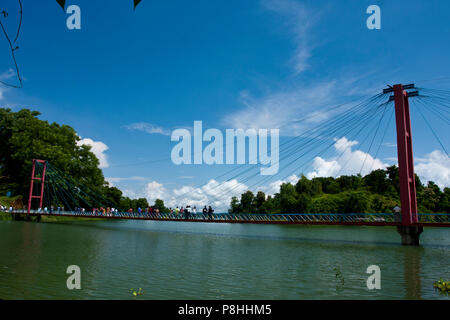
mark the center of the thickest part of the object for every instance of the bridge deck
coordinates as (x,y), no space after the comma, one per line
(372,219)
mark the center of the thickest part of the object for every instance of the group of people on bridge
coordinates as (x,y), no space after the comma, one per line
(4,208)
(185,212)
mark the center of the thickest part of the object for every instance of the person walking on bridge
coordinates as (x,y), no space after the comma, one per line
(210,213)
(397,213)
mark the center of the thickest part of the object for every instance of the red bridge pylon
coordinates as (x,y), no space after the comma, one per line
(410,233)
(33,178)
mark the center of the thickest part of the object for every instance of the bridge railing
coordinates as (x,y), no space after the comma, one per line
(434,218)
(257,217)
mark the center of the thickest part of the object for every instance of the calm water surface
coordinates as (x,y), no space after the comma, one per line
(178,260)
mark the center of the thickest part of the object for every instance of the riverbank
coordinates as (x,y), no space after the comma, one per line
(5,216)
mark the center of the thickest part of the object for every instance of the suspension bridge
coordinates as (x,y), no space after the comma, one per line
(59,195)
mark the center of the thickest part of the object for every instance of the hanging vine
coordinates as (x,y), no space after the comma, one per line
(12,44)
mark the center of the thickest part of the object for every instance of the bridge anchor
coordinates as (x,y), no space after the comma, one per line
(410,235)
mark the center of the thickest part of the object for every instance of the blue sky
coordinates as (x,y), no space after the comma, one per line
(129,78)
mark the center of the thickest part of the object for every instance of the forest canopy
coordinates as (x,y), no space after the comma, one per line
(377,192)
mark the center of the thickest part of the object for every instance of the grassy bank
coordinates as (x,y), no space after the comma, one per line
(5,216)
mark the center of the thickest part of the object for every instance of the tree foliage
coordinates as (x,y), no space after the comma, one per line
(377,192)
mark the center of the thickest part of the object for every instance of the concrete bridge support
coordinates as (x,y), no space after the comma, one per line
(410,235)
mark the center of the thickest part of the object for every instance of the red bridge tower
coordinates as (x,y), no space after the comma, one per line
(41,179)
(408,230)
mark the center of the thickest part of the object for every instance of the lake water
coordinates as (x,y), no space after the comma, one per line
(180,260)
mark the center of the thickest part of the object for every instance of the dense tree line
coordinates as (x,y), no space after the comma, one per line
(377,192)
(23,137)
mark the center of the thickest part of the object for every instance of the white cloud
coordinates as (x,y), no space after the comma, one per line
(214,193)
(390,144)
(113,180)
(274,187)
(155,190)
(434,167)
(3,77)
(299,20)
(281,109)
(148,128)
(98,148)
(299,107)
(347,162)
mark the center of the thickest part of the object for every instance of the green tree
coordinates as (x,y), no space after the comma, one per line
(444,204)
(377,181)
(304,185)
(159,204)
(259,201)
(247,202)
(143,203)
(113,195)
(25,137)
(235,206)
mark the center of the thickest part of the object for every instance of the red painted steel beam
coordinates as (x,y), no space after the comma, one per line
(31,187)
(405,157)
(42,184)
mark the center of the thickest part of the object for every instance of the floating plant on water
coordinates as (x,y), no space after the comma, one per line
(442,286)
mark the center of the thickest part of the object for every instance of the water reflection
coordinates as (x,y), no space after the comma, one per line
(411,266)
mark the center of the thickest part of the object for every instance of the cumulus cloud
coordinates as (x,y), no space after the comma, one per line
(274,187)
(148,128)
(214,193)
(155,190)
(98,148)
(434,167)
(347,162)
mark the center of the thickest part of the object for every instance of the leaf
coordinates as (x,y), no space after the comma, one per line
(136,2)
(62,3)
